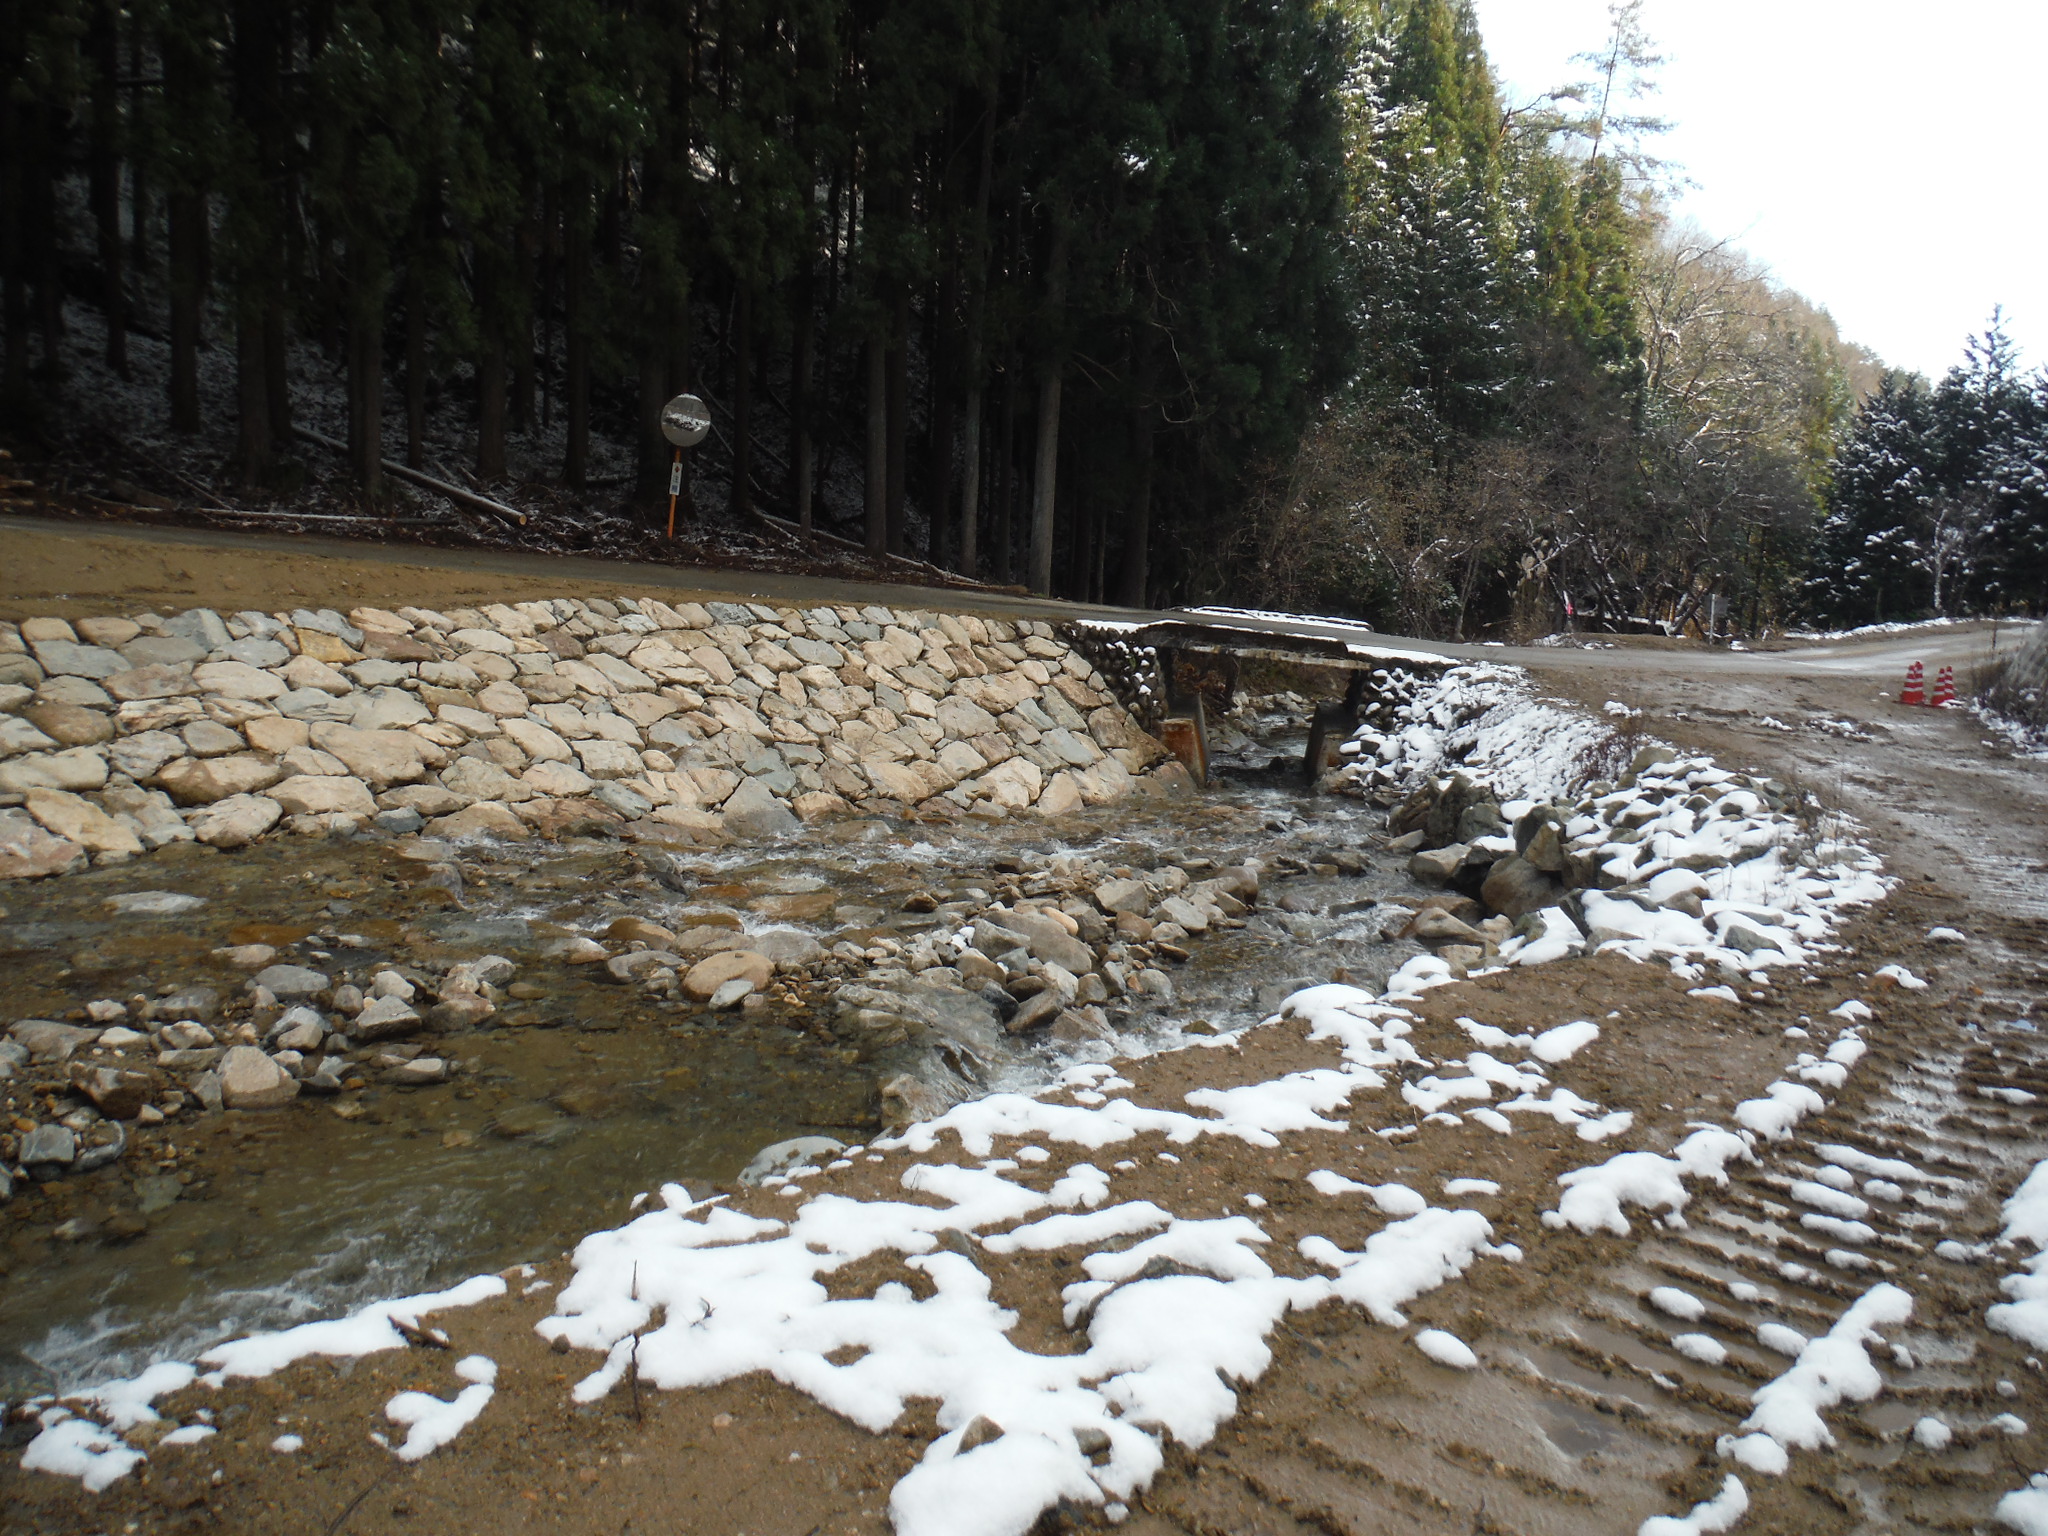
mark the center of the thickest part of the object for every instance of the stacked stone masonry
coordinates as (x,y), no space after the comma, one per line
(692,723)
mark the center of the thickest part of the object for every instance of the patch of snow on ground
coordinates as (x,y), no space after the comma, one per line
(1565,1041)
(432,1422)
(1720,1513)
(74,1447)
(1470,1187)
(1901,627)
(734,1293)
(1703,1347)
(1392,1199)
(1594,1196)
(1829,1370)
(1447,1349)
(2025,1317)
(97,1456)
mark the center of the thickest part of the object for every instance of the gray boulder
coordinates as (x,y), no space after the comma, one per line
(49,1146)
(46,1040)
(1438,864)
(287,981)
(752,811)
(1514,887)
(385,1018)
(782,1156)
(251,1080)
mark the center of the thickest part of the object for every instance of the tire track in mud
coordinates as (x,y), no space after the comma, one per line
(1587,1417)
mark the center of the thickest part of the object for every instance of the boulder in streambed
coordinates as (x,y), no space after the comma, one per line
(289,981)
(46,1040)
(48,1149)
(1438,864)
(385,1018)
(641,964)
(116,1094)
(251,1080)
(708,976)
(782,1156)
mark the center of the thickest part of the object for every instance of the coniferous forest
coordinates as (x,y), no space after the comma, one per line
(1270,301)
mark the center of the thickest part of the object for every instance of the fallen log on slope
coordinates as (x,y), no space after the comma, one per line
(454,493)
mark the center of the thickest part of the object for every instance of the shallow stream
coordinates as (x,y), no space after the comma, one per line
(577,1098)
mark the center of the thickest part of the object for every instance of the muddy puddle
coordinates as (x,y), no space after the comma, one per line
(581,1092)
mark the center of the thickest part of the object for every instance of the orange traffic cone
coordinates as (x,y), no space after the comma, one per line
(1944,688)
(1915,691)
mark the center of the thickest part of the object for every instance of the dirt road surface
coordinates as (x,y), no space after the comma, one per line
(1583,1417)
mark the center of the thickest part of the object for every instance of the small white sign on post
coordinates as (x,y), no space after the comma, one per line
(685,421)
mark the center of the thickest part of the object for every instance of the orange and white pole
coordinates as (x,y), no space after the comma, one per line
(675,489)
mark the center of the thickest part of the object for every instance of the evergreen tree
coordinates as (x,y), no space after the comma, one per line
(1939,500)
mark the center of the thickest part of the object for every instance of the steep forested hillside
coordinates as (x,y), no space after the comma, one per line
(1274,300)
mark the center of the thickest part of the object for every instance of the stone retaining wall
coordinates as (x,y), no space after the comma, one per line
(689,723)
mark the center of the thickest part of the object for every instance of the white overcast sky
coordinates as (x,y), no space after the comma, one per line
(1884,159)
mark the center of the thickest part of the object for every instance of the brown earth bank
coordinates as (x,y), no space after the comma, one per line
(79,568)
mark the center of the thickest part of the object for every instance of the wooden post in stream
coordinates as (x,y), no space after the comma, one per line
(1185,731)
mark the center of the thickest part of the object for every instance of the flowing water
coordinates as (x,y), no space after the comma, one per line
(576,1099)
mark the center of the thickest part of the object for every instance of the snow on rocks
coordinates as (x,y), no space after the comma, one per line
(685,724)
(1674,859)
(1474,714)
